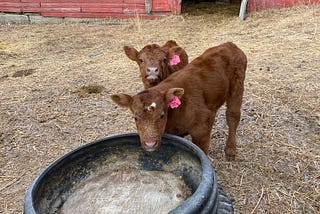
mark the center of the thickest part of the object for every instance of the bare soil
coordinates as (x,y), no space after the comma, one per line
(56,81)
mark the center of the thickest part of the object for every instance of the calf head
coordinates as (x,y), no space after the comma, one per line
(155,62)
(150,110)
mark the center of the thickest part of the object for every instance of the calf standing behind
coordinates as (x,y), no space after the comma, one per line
(157,63)
(187,101)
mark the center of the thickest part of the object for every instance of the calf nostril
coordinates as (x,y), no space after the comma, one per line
(152,70)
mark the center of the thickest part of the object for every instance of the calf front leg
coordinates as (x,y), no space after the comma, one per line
(202,140)
(201,135)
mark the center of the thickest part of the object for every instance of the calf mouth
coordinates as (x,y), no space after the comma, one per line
(152,77)
(150,145)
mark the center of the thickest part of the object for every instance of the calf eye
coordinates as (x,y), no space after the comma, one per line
(136,119)
(164,59)
(141,60)
(162,116)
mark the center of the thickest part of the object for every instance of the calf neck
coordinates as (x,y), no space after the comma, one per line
(187,101)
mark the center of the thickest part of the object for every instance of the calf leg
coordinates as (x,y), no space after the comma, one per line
(233,114)
(202,140)
(201,134)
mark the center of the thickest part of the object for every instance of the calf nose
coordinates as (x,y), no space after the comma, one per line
(150,145)
(153,70)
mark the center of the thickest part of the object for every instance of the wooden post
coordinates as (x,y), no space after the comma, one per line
(148,5)
(243,8)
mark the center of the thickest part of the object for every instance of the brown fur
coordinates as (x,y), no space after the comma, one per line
(154,61)
(204,85)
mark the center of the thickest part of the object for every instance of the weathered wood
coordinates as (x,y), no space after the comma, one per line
(10,9)
(160,5)
(60,10)
(130,8)
(19,4)
(92,8)
(243,9)
(257,5)
(9,0)
(101,15)
(134,1)
(148,6)
(102,9)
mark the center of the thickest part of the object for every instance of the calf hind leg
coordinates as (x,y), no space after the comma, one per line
(233,114)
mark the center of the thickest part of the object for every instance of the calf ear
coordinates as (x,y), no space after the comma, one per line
(170,44)
(122,100)
(131,53)
(174,92)
(182,55)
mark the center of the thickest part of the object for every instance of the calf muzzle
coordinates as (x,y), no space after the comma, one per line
(150,145)
(152,73)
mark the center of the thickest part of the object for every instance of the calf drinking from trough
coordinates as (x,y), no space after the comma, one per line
(157,63)
(187,101)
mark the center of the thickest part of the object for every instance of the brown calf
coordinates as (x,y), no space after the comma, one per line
(203,86)
(157,63)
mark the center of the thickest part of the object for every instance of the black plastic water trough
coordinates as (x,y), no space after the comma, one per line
(55,186)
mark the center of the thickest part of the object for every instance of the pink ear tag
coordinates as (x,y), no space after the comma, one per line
(175,102)
(175,59)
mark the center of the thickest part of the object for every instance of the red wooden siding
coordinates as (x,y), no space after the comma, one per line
(121,8)
(256,5)
(92,8)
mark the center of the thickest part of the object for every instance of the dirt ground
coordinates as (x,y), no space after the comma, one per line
(56,81)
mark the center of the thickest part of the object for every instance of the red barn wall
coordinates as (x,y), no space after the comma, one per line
(256,5)
(121,8)
(92,8)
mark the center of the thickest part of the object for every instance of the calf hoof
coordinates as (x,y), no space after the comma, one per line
(230,157)
(230,154)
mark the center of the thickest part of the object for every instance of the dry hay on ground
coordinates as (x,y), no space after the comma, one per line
(56,79)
